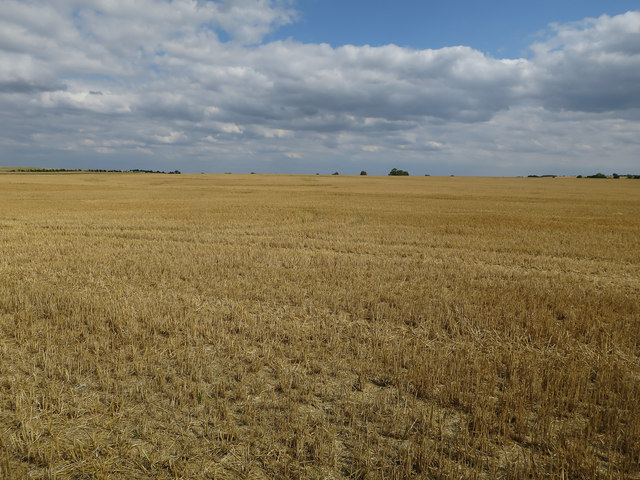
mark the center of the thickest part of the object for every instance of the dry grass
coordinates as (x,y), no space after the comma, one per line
(202,326)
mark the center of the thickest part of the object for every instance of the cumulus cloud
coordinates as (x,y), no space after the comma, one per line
(133,78)
(591,66)
(388,82)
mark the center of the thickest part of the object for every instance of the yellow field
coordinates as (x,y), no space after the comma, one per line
(249,326)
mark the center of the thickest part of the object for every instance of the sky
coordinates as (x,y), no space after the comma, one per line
(495,88)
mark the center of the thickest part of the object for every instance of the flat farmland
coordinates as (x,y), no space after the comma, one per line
(263,326)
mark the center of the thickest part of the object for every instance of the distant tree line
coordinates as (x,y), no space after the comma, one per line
(89,170)
(596,175)
(613,175)
(393,172)
(136,170)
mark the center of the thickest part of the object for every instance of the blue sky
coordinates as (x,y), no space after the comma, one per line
(503,28)
(305,86)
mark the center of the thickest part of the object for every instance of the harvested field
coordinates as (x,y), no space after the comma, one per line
(254,326)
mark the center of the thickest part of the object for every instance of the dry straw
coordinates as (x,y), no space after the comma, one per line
(318,327)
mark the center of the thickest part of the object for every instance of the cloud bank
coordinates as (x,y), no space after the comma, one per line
(192,85)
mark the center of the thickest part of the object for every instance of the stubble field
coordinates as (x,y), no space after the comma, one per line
(249,326)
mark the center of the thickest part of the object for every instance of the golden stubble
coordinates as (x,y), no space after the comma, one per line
(254,326)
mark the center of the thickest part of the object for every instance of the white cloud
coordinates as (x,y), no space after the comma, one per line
(171,137)
(230,128)
(95,101)
(139,76)
(371,148)
(592,65)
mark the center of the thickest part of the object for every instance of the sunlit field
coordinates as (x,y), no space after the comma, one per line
(259,326)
